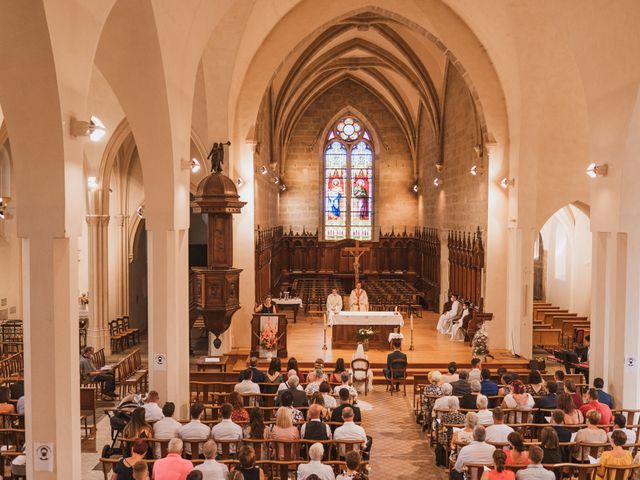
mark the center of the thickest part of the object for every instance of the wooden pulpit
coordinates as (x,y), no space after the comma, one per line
(282,332)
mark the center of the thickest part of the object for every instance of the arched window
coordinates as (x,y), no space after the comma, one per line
(348,182)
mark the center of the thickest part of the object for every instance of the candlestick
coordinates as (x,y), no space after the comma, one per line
(411,318)
(324,332)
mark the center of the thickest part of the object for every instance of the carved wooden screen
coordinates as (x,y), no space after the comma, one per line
(466,261)
(429,264)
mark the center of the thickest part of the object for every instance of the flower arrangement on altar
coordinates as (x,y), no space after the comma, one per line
(269,338)
(480,343)
(83,299)
(365,333)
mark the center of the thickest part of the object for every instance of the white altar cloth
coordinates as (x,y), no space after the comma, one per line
(287,301)
(366,318)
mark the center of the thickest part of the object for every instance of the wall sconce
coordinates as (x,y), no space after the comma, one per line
(263,170)
(240,182)
(276,180)
(193,164)
(594,170)
(437,182)
(94,128)
(3,208)
(415,188)
(283,187)
(476,170)
(92,184)
(506,182)
(140,211)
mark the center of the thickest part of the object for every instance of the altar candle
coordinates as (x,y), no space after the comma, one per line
(411,321)
(324,320)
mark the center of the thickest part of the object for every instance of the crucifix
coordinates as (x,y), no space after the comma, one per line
(356,252)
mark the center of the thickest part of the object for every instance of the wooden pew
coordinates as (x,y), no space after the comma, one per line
(539,314)
(547,337)
(548,316)
(558,319)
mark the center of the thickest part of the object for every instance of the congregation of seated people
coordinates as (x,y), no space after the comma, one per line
(525,427)
(314,424)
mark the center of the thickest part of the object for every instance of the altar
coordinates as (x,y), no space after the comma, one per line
(345,325)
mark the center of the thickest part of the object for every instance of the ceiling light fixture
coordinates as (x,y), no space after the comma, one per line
(437,182)
(506,182)
(594,170)
(94,128)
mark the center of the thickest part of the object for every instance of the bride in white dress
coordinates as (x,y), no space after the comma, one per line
(359,377)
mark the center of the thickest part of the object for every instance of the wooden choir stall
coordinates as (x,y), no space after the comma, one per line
(261,321)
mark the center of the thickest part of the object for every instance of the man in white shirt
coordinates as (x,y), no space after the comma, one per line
(344,376)
(349,430)
(212,470)
(334,303)
(195,429)
(451,375)
(498,432)
(315,466)
(485,416)
(247,386)
(152,411)
(620,423)
(168,427)
(226,429)
(442,403)
(358,300)
(444,322)
(477,451)
(476,370)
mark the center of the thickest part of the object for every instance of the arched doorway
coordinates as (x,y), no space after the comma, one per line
(138,305)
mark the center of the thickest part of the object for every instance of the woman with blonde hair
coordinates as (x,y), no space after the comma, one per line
(284,430)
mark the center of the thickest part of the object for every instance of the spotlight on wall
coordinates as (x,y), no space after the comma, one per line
(437,182)
(240,182)
(594,170)
(264,170)
(140,211)
(195,165)
(92,183)
(94,128)
(3,208)
(506,182)
(476,170)
(283,187)
(415,188)
(276,180)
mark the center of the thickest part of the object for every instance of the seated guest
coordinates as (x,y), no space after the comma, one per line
(535,386)
(558,376)
(498,432)
(546,402)
(603,397)
(570,388)
(476,370)
(552,453)
(339,369)
(315,429)
(478,451)
(517,454)
(287,402)
(274,373)
(298,396)
(591,434)
(444,322)
(123,470)
(173,466)
(451,375)
(362,379)
(168,427)
(487,386)
(195,429)
(140,471)
(315,466)
(5,406)
(535,470)
(431,391)
(557,420)
(247,464)
(485,416)
(239,413)
(469,399)
(395,355)
(153,412)
(465,435)
(226,429)
(89,373)
(210,469)
(325,389)
(20,405)
(572,416)
(352,459)
(459,327)
(349,430)
(248,386)
(519,399)
(345,402)
(194,475)
(344,378)
(317,374)
(314,382)
(284,430)
(451,417)
(318,399)
(616,457)
(462,386)
(256,375)
(442,403)
(620,423)
(507,384)
(256,428)
(137,427)
(292,364)
(594,404)
(285,384)
(499,473)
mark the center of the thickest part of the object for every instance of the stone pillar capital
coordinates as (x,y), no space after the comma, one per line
(97,219)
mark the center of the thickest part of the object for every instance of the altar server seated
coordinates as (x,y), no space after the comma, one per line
(444,323)
(334,303)
(457,332)
(358,300)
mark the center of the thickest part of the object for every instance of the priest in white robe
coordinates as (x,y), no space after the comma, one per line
(457,334)
(444,323)
(334,304)
(358,300)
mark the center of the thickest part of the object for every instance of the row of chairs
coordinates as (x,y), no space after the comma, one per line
(12,368)
(132,374)
(578,471)
(122,335)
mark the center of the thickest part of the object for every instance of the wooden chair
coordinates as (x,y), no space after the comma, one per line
(475,470)
(361,365)
(117,338)
(621,472)
(398,374)
(88,409)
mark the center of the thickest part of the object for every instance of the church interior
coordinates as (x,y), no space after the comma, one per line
(195,189)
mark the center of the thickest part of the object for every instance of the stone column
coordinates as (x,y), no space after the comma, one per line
(122,268)
(98,331)
(52,402)
(168,269)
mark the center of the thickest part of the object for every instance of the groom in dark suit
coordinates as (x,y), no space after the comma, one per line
(395,355)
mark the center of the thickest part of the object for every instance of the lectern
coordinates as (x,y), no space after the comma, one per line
(276,318)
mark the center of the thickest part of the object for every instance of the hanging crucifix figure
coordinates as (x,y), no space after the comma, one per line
(358,300)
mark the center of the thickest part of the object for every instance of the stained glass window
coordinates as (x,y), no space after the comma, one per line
(348,185)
